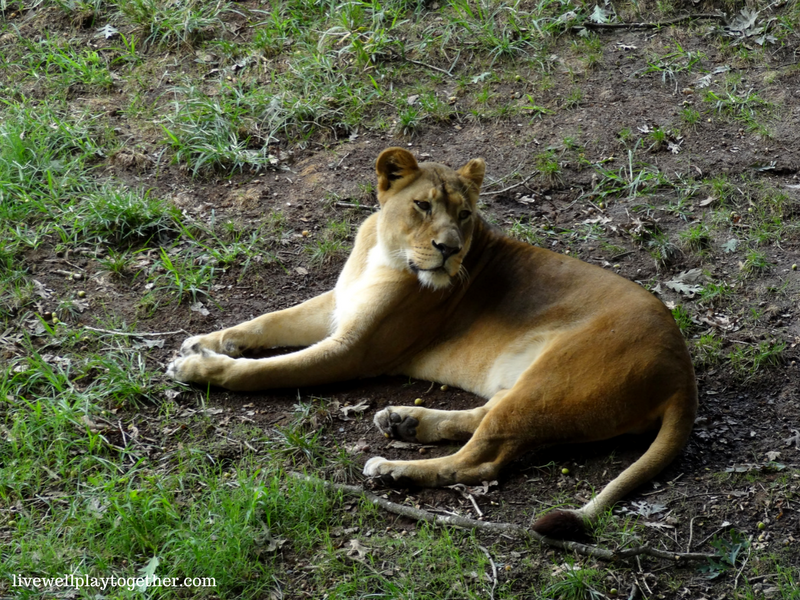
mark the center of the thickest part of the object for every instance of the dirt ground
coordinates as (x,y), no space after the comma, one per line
(705,491)
(746,434)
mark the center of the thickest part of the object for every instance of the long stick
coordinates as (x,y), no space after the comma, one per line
(648,25)
(419,514)
(136,333)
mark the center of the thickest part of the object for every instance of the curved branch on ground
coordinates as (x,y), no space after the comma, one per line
(647,25)
(590,550)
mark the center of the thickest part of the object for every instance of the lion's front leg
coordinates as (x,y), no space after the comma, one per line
(205,366)
(301,325)
(328,361)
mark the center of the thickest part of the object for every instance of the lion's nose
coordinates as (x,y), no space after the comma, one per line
(447,251)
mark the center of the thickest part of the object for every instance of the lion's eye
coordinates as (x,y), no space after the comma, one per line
(425,206)
(464,215)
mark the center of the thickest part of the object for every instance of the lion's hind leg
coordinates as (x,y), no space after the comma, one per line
(427,425)
(480,459)
(476,462)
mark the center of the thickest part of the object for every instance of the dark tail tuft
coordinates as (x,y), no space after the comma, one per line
(561,525)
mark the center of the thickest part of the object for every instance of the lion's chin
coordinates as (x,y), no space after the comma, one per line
(436,280)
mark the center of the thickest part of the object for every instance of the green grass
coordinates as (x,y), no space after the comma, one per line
(742,105)
(675,61)
(107,468)
(707,350)
(330,243)
(225,132)
(117,263)
(690,116)
(526,232)
(58,64)
(661,248)
(576,582)
(696,238)
(635,178)
(179,278)
(409,121)
(549,168)
(196,518)
(755,262)
(683,318)
(748,361)
(120,216)
(177,21)
(715,294)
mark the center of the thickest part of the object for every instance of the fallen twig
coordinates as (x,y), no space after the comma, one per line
(744,564)
(511,187)
(709,536)
(494,571)
(136,333)
(647,25)
(419,514)
(422,64)
(353,205)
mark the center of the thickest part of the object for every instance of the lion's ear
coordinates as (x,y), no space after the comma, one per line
(474,171)
(394,165)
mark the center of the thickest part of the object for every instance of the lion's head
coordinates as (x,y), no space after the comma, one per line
(428,214)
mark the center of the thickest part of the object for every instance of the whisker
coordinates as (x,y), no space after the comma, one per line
(463,274)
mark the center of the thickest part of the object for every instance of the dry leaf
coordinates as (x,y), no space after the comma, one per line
(794,439)
(356,448)
(357,549)
(42,291)
(358,408)
(707,201)
(687,282)
(199,308)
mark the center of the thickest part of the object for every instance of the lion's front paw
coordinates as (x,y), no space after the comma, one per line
(180,369)
(203,367)
(213,342)
(394,424)
(371,468)
(387,472)
(194,345)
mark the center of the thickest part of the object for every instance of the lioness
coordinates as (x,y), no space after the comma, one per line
(564,351)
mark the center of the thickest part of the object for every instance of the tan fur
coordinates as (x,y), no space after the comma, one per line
(564,351)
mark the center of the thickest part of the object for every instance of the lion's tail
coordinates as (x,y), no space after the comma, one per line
(676,426)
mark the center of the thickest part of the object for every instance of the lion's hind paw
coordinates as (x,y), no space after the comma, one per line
(396,425)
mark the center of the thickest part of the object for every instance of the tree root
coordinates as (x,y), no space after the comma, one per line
(590,550)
